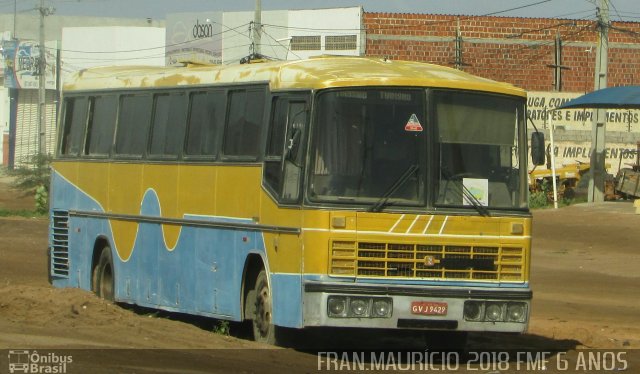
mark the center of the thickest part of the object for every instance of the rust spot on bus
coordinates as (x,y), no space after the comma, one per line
(177,79)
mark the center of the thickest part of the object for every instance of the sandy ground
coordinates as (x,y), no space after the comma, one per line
(584,275)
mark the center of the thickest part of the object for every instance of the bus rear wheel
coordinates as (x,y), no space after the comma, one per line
(102,276)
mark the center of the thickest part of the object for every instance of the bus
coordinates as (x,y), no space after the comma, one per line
(345,192)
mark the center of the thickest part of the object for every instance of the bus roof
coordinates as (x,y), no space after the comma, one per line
(314,73)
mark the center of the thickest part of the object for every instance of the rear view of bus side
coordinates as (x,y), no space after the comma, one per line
(334,191)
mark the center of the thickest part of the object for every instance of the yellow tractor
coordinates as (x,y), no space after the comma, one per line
(567,179)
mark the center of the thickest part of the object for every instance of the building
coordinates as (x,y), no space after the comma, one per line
(19,99)
(553,59)
(231,37)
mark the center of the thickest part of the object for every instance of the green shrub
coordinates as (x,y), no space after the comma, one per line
(35,175)
(538,199)
(222,328)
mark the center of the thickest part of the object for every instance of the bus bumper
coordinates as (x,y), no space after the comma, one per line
(416,307)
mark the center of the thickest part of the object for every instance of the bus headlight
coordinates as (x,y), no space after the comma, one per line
(359,307)
(516,312)
(473,311)
(493,312)
(382,308)
(337,306)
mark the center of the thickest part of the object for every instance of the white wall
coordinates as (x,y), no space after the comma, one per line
(279,27)
(84,47)
(236,38)
(327,22)
(4,118)
(4,100)
(194,37)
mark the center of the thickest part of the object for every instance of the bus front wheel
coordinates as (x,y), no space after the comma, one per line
(263,328)
(103,279)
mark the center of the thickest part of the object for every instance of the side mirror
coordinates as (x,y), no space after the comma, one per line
(537,148)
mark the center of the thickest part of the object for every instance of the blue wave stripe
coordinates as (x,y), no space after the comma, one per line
(201,275)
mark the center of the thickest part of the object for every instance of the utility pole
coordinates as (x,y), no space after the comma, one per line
(257,29)
(557,64)
(458,59)
(598,130)
(15,16)
(42,93)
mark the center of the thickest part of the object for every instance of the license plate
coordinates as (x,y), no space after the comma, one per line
(428,308)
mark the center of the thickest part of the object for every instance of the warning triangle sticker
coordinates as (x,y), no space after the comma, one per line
(413,124)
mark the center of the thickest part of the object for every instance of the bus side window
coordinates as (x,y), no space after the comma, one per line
(102,123)
(284,156)
(132,129)
(243,129)
(168,125)
(75,122)
(206,115)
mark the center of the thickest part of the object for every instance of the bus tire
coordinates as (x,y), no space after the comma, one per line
(103,276)
(263,329)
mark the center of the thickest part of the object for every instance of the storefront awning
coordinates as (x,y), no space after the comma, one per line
(623,97)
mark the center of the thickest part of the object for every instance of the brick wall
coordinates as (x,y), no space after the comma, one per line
(515,50)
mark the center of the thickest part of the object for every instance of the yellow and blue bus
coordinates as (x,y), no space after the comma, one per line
(334,191)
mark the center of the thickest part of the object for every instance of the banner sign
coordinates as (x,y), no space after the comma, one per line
(575,123)
(541,105)
(22,64)
(195,37)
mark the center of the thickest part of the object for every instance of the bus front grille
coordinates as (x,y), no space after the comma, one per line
(60,244)
(429,261)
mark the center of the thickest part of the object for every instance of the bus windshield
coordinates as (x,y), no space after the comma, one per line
(477,150)
(368,145)
(371,146)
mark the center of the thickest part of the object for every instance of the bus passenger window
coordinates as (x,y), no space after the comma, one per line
(74,125)
(244,123)
(133,125)
(205,121)
(102,122)
(169,125)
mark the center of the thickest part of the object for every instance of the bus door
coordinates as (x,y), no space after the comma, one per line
(281,209)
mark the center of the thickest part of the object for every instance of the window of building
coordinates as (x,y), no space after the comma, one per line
(341,42)
(305,43)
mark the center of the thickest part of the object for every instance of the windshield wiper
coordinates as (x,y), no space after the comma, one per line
(378,206)
(466,193)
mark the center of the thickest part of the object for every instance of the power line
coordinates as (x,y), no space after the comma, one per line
(466,18)
(288,48)
(531,31)
(152,48)
(517,8)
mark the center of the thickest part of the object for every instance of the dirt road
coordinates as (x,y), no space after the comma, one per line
(585,279)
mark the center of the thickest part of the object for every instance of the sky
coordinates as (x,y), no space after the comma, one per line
(620,10)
